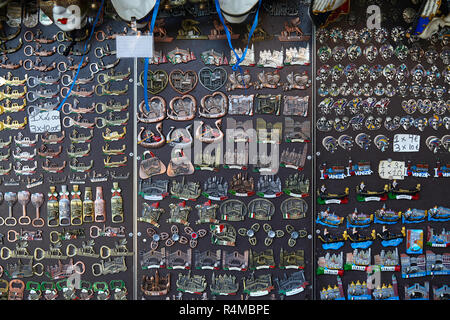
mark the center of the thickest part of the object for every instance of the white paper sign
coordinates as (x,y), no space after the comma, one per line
(139,46)
(391,169)
(45,121)
(406,143)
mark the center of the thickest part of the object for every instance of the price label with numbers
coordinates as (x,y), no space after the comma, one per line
(45,121)
(392,169)
(406,143)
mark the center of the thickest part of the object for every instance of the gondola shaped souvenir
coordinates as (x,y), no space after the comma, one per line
(324,197)
(364,195)
(387,216)
(439,214)
(359,220)
(414,215)
(331,241)
(391,239)
(329,219)
(388,260)
(397,193)
(358,239)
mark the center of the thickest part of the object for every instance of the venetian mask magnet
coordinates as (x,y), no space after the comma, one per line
(129,9)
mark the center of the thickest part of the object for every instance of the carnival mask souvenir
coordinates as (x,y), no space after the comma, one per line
(68,15)
(386,51)
(371,52)
(236,11)
(133,9)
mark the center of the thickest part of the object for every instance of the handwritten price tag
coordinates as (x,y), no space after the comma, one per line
(390,170)
(45,121)
(406,143)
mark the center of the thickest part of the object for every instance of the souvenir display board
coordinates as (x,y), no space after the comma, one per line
(223,223)
(381,210)
(52,227)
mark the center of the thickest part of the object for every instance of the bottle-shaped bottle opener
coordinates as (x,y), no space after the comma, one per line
(11,199)
(116,204)
(37,199)
(99,206)
(76,207)
(52,208)
(24,198)
(88,205)
(64,207)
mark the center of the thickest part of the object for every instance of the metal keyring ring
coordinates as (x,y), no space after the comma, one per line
(35,254)
(66,84)
(91,66)
(68,105)
(15,233)
(108,252)
(83,267)
(103,108)
(102,76)
(27,220)
(102,120)
(32,85)
(27,33)
(25,62)
(64,89)
(2,221)
(102,93)
(34,96)
(5,249)
(61,51)
(103,36)
(94,265)
(38,265)
(92,234)
(62,63)
(99,49)
(75,250)
(28,50)
(71,122)
(58,36)
(10,219)
(52,237)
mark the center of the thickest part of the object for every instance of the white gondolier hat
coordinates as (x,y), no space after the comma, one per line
(236,11)
(127,9)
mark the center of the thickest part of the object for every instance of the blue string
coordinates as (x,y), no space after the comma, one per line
(227,32)
(82,57)
(147,61)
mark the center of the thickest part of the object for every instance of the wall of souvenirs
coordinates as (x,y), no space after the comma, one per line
(313,170)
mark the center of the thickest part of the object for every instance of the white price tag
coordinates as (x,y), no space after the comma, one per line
(45,121)
(138,46)
(406,143)
(392,169)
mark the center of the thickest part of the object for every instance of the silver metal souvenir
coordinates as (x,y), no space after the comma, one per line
(339,53)
(357,122)
(381,142)
(345,142)
(212,79)
(297,56)
(330,144)
(296,80)
(240,104)
(238,80)
(431,55)
(269,59)
(392,124)
(268,80)
(324,125)
(407,122)
(363,141)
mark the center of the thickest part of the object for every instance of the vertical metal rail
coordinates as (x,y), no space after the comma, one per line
(314,158)
(135,182)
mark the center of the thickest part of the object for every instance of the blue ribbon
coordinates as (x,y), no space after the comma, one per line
(227,32)
(147,61)
(82,57)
